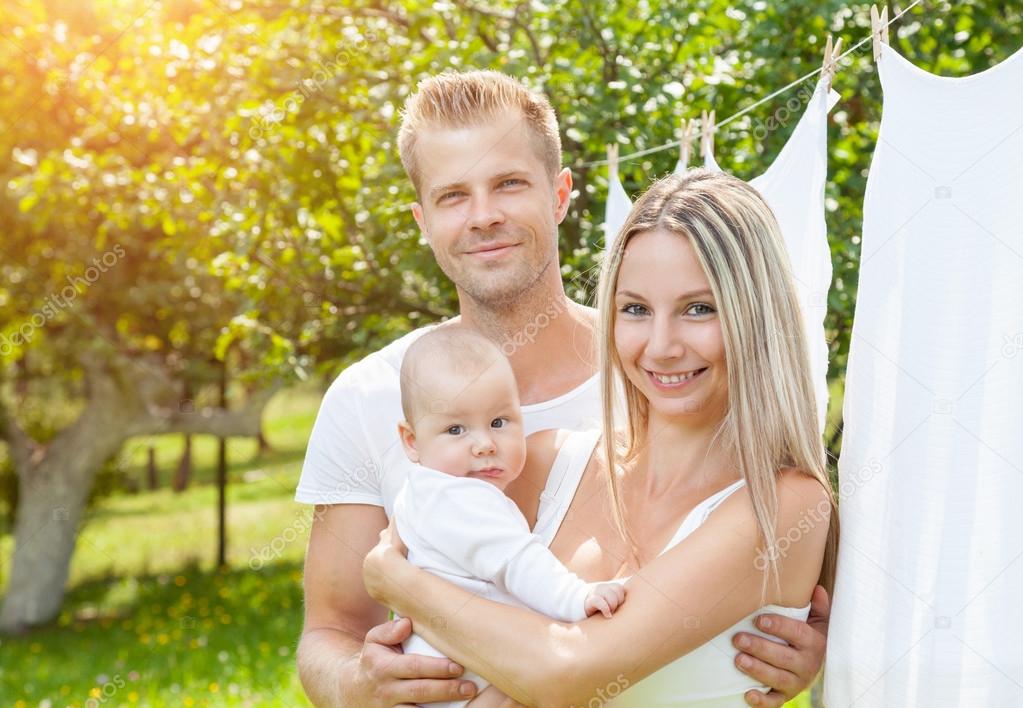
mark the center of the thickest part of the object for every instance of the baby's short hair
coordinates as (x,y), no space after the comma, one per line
(447,348)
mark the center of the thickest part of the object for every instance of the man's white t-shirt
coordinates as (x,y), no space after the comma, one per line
(355,455)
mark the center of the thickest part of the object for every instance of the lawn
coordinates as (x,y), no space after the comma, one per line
(148,619)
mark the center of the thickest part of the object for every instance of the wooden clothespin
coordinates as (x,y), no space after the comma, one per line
(830,66)
(612,161)
(685,137)
(878,29)
(706,134)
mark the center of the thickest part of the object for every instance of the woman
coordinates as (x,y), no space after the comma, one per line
(700,323)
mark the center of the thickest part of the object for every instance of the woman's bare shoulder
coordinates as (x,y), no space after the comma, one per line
(801,531)
(799,493)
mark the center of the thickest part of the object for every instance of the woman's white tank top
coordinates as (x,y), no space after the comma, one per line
(704,677)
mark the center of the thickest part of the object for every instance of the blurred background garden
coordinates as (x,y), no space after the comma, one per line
(203,219)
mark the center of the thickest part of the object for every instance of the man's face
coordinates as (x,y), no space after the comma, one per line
(489,209)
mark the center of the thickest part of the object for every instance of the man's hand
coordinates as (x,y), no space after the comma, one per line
(348,656)
(387,677)
(788,670)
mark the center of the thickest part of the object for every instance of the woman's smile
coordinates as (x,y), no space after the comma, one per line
(674,382)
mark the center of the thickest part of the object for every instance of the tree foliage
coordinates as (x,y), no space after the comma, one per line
(243,155)
(182,177)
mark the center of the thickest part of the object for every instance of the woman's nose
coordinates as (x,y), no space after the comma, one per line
(665,341)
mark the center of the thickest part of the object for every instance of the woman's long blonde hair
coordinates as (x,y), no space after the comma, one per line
(771,422)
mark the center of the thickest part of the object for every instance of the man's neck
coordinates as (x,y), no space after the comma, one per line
(548,339)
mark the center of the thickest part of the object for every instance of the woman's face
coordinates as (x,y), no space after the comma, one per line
(667,331)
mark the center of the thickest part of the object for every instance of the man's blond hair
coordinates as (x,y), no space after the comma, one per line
(466,99)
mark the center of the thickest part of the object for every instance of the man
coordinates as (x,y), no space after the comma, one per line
(484,155)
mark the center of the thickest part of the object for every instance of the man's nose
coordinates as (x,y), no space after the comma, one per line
(484,213)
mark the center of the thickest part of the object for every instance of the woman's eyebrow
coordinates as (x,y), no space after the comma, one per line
(684,296)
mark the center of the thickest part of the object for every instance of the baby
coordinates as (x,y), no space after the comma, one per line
(464,428)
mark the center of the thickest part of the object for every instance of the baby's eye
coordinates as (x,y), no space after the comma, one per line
(499,422)
(455,430)
(633,309)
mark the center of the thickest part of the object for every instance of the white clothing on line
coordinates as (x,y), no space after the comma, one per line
(617,209)
(927,607)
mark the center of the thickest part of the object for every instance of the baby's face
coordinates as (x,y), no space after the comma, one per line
(472,427)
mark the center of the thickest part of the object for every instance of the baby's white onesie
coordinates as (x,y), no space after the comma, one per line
(467,531)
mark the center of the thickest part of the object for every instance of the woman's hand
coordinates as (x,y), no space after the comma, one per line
(384,564)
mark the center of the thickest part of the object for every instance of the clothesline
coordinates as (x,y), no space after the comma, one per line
(747,109)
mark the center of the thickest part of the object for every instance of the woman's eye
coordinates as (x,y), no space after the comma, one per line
(701,308)
(633,309)
(455,430)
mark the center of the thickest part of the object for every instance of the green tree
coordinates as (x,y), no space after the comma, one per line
(233,169)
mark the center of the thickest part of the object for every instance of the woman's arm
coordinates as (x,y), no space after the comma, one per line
(675,603)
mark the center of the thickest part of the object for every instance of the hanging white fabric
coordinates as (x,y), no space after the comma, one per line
(793,186)
(618,206)
(927,607)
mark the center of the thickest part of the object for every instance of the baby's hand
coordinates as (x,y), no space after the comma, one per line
(605,598)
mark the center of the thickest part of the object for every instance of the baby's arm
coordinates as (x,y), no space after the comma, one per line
(540,581)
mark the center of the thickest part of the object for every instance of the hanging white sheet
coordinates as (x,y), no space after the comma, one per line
(928,607)
(617,208)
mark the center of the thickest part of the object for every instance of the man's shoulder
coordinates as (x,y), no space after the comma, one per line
(377,370)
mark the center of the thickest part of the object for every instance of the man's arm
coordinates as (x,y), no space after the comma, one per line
(349,655)
(789,670)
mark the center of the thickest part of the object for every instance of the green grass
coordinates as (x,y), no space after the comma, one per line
(149,621)
(188,638)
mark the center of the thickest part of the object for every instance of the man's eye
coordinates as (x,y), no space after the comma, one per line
(455,430)
(512,182)
(633,309)
(448,196)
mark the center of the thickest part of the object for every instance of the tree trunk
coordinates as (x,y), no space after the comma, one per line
(264,444)
(52,496)
(183,474)
(124,400)
(151,474)
(222,479)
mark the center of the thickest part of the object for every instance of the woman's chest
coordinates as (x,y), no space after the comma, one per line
(588,542)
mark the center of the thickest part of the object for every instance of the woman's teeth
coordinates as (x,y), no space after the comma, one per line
(676,378)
